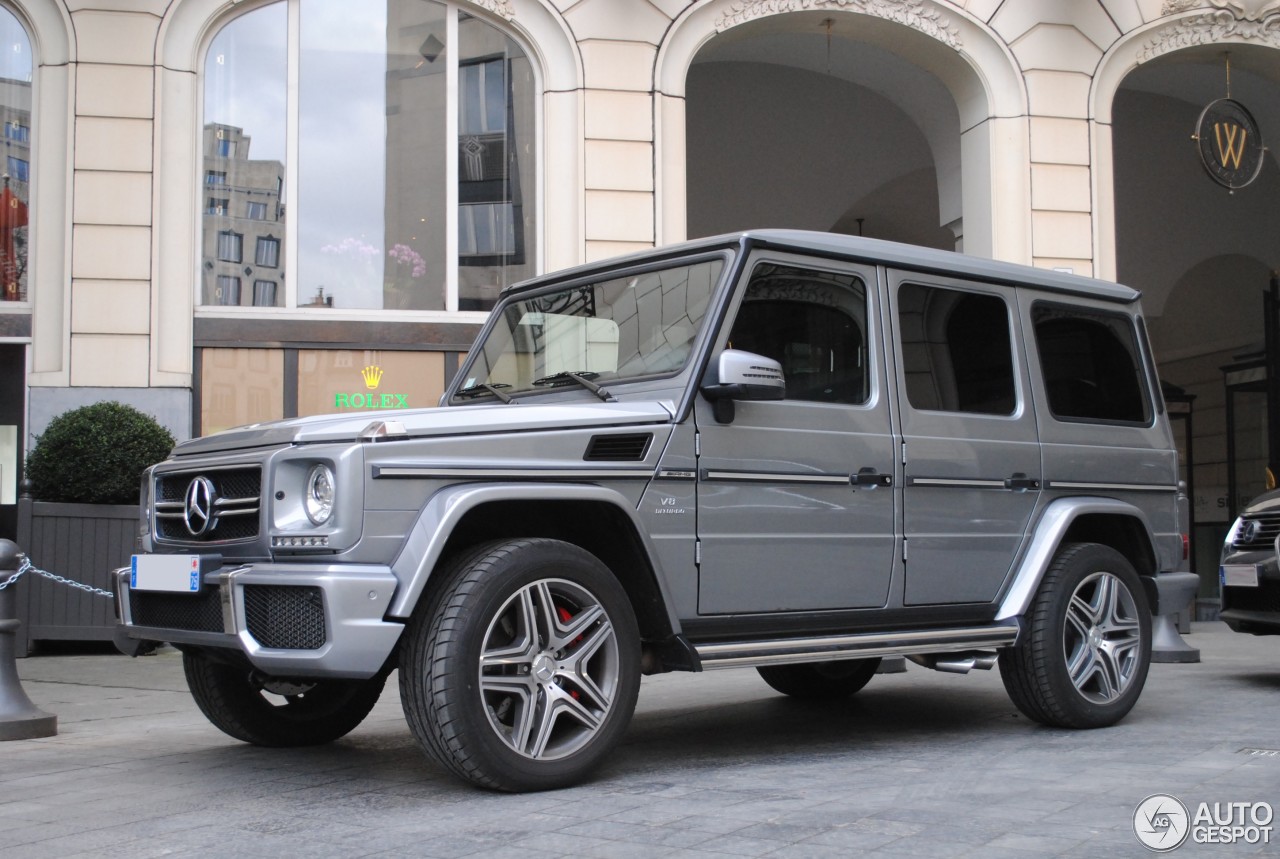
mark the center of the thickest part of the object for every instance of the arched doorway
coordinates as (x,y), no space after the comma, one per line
(1202,256)
(788,127)
(914,122)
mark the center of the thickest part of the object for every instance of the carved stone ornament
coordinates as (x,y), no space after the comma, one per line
(1249,10)
(1212,28)
(502,8)
(911,13)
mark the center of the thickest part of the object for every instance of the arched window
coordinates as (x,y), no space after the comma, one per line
(15,117)
(375,154)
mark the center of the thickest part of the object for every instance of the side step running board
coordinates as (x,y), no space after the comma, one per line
(861,646)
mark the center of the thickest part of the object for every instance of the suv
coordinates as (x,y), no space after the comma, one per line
(1249,577)
(793,451)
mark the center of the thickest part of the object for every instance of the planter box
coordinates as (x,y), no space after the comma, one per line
(84,542)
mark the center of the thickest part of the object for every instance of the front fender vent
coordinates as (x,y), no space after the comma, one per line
(618,448)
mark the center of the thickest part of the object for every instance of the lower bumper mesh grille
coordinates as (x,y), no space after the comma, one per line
(200,612)
(285,617)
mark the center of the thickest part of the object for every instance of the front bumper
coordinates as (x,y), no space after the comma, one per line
(289,620)
(1251,608)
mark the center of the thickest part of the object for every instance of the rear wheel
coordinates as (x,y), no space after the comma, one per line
(273,712)
(1084,657)
(522,672)
(820,680)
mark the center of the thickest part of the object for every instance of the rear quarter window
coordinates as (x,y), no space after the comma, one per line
(1091,364)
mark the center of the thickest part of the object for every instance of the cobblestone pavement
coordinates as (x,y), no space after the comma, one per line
(714,765)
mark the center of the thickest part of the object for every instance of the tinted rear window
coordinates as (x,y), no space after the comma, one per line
(1091,365)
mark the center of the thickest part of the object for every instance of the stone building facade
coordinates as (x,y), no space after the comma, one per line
(230,209)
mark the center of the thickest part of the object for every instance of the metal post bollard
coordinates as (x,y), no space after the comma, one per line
(1166,644)
(19,718)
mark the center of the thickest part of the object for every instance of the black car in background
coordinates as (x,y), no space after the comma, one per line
(1249,577)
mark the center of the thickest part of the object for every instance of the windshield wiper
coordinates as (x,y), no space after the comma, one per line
(556,380)
(481,389)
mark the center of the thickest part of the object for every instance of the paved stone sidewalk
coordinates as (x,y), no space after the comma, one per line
(714,765)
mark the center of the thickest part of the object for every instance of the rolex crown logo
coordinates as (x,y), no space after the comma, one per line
(372,376)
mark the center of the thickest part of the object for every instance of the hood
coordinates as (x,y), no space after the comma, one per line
(1267,502)
(418,423)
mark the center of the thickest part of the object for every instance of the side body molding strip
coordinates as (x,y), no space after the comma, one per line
(1049,533)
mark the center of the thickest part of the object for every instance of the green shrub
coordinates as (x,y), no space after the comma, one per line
(96,454)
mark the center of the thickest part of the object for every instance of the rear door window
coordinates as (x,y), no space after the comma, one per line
(956,350)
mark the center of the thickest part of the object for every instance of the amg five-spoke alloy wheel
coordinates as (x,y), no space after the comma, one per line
(1083,660)
(523,669)
(549,669)
(1102,641)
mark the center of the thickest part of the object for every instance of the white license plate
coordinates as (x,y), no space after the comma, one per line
(172,573)
(1240,575)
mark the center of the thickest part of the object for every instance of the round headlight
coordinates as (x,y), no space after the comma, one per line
(319,495)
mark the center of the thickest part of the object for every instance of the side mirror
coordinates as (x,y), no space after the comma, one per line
(742,375)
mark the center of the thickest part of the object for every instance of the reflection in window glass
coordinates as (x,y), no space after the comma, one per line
(391,210)
(244,142)
(264,293)
(957,355)
(230,246)
(240,386)
(15,113)
(811,322)
(268,252)
(627,327)
(227,290)
(495,166)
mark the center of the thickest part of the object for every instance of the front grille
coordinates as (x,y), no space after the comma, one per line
(200,612)
(284,616)
(236,502)
(630,447)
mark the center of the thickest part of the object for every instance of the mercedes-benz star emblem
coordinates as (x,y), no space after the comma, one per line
(1251,530)
(197,511)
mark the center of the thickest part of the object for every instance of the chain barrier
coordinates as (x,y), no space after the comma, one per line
(25,566)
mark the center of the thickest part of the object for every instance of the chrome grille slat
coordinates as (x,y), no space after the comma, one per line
(1267,533)
(235,510)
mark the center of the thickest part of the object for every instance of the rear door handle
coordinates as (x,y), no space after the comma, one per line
(869,478)
(1020,482)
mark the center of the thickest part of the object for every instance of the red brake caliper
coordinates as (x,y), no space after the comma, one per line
(565,617)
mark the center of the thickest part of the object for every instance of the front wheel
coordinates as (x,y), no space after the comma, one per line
(1084,657)
(522,671)
(274,712)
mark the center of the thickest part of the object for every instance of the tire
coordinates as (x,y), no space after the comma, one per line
(1083,658)
(818,681)
(266,712)
(522,671)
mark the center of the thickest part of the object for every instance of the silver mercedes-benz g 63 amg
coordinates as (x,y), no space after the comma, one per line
(794,451)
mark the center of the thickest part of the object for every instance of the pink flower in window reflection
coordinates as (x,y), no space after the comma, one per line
(408,256)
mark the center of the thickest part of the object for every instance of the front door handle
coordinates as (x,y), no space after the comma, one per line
(869,478)
(1020,482)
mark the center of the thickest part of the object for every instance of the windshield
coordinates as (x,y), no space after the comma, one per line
(611,330)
